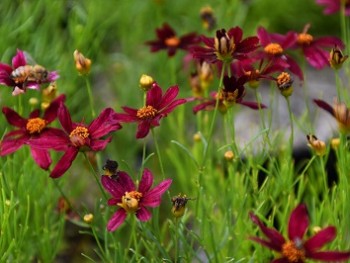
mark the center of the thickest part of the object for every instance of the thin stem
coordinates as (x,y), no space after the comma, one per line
(291,139)
(324,175)
(62,193)
(88,86)
(176,239)
(158,153)
(96,178)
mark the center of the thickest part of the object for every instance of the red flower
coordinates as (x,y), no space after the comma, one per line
(132,200)
(33,127)
(313,48)
(333,6)
(225,46)
(232,92)
(157,107)
(167,39)
(78,137)
(275,46)
(297,250)
(21,76)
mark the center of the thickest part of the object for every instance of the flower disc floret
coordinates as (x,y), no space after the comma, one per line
(305,39)
(130,201)
(292,252)
(273,49)
(172,41)
(79,135)
(35,125)
(147,112)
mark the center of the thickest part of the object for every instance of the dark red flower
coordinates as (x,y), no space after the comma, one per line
(78,137)
(313,48)
(232,92)
(34,127)
(275,46)
(296,249)
(132,200)
(168,40)
(226,46)
(157,107)
(21,75)
(334,6)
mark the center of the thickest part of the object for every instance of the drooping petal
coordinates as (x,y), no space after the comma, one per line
(324,105)
(277,240)
(117,219)
(41,157)
(65,118)
(103,124)
(143,214)
(14,118)
(326,256)
(153,197)
(50,113)
(298,222)
(294,67)
(19,59)
(253,105)
(146,181)
(143,129)
(65,162)
(321,238)
(8,146)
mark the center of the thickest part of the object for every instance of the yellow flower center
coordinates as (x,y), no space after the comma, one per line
(79,135)
(147,112)
(283,79)
(130,201)
(292,252)
(273,49)
(224,46)
(35,125)
(305,39)
(172,41)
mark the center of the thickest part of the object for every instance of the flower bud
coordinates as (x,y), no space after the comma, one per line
(317,145)
(146,82)
(336,58)
(88,218)
(82,64)
(229,155)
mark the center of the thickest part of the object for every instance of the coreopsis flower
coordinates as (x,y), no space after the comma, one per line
(78,137)
(226,46)
(296,249)
(314,48)
(285,84)
(157,107)
(336,58)
(34,127)
(20,75)
(82,64)
(132,199)
(179,205)
(275,46)
(168,40)
(334,6)
(317,145)
(339,111)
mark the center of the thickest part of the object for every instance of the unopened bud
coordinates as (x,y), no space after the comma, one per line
(88,218)
(317,145)
(146,82)
(336,58)
(229,155)
(82,63)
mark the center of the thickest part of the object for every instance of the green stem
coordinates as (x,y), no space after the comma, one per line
(88,86)
(338,85)
(176,239)
(324,175)
(291,139)
(96,178)
(62,193)
(158,153)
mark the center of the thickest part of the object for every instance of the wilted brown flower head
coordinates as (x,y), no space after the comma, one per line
(317,145)
(336,58)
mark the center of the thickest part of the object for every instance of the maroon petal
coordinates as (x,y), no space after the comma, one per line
(253,105)
(168,97)
(6,68)
(146,181)
(276,239)
(143,129)
(282,260)
(204,106)
(8,146)
(14,118)
(153,197)
(130,115)
(249,44)
(326,256)
(103,124)
(316,57)
(50,113)
(126,182)
(165,32)
(143,214)
(322,237)
(65,119)
(99,145)
(172,106)
(117,219)
(51,138)
(114,201)
(266,243)
(65,162)
(41,157)
(19,60)
(298,222)
(263,36)
(154,96)
(294,67)
(324,105)
(114,187)
(236,33)
(289,40)
(329,42)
